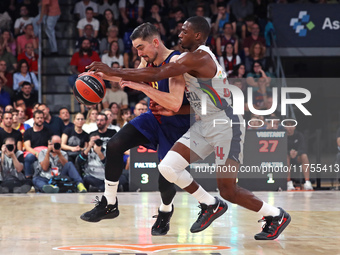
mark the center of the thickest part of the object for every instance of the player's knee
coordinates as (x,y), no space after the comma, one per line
(168,172)
(229,193)
(113,147)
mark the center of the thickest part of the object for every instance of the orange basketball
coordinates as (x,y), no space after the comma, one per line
(89,89)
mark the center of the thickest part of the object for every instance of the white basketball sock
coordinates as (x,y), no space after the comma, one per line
(111,191)
(269,210)
(166,208)
(204,197)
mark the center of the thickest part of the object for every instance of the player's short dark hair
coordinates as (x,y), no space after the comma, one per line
(37,112)
(62,108)
(102,114)
(89,9)
(200,24)
(144,32)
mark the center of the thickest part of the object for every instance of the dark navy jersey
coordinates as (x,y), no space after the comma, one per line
(162,131)
(163,85)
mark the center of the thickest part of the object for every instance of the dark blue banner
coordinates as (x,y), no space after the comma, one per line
(307,25)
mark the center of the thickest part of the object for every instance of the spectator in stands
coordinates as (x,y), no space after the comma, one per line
(8,42)
(254,37)
(241,9)
(256,122)
(92,160)
(81,59)
(54,157)
(225,38)
(21,22)
(239,72)
(27,37)
(115,94)
(11,169)
(223,16)
(6,76)
(53,123)
(30,57)
(81,6)
(35,139)
(9,108)
(201,13)
(297,154)
(139,109)
(229,59)
(173,40)
(272,122)
(107,21)
(8,131)
(261,12)
(5,98)
(64,115)
(114,107)
(124,117)
(74,139)
(102,130)
(109,116)
(256,53)
(88,20)
(16,124)
(49,15)
(257,72)
(90,123)
(155,17)
(31,120)
(246,28)
(108,4)
(23,74)
(27,94)
(88,34)
(11,62)
(112,35)
(260,95)
(113,55)
(131,13)
(130,57)
(21,126)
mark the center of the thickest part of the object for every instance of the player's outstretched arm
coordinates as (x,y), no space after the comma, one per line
(172,69)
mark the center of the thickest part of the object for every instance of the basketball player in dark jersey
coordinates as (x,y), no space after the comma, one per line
(147,129)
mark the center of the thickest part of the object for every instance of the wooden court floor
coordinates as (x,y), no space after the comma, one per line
(50,224)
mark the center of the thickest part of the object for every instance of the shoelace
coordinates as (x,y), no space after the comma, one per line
(97,201)
(200,214)
(267,225)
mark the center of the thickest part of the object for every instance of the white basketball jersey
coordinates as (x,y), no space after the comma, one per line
(213,91)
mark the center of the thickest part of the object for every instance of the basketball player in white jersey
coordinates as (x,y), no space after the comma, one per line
(203,73)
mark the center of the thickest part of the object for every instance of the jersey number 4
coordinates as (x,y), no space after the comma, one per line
(219,152)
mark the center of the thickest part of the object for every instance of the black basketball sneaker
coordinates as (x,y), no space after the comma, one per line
(273,226)
(101,211)
(162,224)
(208,214)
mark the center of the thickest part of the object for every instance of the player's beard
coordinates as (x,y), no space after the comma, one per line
(151,60)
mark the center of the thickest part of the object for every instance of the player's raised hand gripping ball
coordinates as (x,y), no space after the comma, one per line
(89,88)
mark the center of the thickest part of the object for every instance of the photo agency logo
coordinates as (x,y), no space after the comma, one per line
(302,24)
(239,99)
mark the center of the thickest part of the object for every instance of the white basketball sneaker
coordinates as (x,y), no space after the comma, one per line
(308,186)
(290,186)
